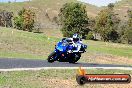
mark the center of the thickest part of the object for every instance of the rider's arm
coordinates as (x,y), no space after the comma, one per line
(80,41)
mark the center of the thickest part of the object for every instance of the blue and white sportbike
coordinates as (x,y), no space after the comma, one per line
(67,51)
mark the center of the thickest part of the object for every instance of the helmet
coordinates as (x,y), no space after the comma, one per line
(75,37)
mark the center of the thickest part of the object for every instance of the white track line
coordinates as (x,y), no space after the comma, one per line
(47,68)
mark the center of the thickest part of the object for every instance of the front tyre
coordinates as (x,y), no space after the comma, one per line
(51,57)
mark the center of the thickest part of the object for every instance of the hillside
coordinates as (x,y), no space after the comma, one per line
(122,7)
(52,7)
(41,7)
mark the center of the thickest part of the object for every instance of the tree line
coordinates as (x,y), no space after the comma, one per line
(74,19)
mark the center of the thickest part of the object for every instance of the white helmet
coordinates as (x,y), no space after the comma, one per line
(75,37)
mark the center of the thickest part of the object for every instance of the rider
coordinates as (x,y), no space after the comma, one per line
(76,42)
(76,38)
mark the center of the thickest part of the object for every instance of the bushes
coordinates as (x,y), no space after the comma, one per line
(90,36)
(106,24)
(25,20)
(127,37)
(125,30)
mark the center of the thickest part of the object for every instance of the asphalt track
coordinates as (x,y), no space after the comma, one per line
(6,63)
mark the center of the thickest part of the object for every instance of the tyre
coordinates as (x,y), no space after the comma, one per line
(75,58)
(51,57)
(81,80)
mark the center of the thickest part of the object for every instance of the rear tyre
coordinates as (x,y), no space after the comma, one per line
(51,57)
(75,58)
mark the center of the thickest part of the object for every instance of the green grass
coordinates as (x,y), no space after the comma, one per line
(43,78)
(19,55)
(116,49)
(22,44)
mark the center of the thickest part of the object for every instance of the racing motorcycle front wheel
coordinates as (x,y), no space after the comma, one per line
(51,57)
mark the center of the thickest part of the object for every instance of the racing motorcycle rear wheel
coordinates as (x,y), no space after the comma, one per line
(51,57)
(74,58)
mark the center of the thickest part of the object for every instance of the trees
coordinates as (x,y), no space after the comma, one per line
(110,28)
(128,36)
(25,20)
(90,36)
(106,24)
(129,18)
(6,18)
(73,18)
(127,33)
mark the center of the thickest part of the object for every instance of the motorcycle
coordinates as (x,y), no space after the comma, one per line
(65,51)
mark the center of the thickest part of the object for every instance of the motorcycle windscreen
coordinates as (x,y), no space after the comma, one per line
(61,46)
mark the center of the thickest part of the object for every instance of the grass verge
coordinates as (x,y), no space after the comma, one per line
(50,78)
